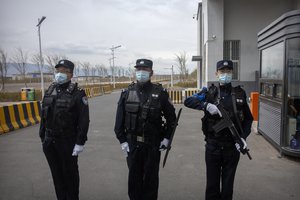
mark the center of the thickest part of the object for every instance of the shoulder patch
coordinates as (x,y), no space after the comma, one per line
(85,100)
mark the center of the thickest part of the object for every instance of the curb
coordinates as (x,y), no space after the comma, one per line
(16,116)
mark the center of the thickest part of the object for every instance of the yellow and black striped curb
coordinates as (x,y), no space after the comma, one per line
(97,91)
(15,116)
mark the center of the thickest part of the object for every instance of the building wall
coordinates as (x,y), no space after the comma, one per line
(238,20)
(244,24)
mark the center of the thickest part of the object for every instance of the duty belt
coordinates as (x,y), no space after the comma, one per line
(219,143)
(137,138)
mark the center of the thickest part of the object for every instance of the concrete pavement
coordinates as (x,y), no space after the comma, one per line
(25,175)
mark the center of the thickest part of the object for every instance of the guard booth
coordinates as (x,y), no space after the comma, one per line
(279,99)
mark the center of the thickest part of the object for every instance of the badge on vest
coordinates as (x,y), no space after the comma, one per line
(155,95)
(239,100)
(85,100)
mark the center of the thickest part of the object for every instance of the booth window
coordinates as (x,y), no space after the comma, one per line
(293,97)
(272,62)
(232,51)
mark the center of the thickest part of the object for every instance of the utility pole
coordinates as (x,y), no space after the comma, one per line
(41,57)
(172,75)
(113,59)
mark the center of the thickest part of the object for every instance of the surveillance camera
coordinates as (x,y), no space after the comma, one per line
(214,36)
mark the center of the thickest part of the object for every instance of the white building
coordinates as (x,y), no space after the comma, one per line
(227,29)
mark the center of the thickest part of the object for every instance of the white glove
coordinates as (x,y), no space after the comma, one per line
(244,145)
(125,148)
(213,109)
(163,144)
(77,149)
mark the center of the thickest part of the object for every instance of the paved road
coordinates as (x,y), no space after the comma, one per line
(25,175)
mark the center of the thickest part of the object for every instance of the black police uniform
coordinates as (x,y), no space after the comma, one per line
(221,155)
(139,122)
(64,123)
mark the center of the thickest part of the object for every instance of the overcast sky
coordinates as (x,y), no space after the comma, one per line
(85,30)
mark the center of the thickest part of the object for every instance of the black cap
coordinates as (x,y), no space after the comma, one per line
(224,64)
(143,63)
(65,63)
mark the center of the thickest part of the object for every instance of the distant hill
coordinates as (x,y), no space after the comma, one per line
(30,68)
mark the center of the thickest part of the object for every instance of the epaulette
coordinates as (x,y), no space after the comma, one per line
(131,85)
(238,88)
(158,86)
(51,88)
(72,87)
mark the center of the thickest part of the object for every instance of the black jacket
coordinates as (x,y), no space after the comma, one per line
(65,113)
(143,92)
(225,96)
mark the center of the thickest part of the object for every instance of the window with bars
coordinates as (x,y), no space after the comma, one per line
(232,51)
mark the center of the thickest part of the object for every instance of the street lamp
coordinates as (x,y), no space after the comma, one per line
(41,57)
(113,59)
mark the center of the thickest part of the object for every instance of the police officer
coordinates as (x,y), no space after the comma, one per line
(140,131)
(63,130)
(222,154)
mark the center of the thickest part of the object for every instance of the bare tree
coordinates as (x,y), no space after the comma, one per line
(3,68)
(52,60)
(19,61)
(77,68)
(36,60)
(129,72)
(86,69)
(181,59)
(101,70)
(93,72)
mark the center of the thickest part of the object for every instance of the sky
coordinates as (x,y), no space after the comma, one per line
(85,30)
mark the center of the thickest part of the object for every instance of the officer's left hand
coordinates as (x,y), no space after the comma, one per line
(163,144)
(77,149)
(238,146)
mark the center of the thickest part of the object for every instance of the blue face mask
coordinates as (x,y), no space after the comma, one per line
(142,76)
(225,78)
(61,78)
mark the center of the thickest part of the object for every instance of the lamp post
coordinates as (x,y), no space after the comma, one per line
(113,59)
(41,57)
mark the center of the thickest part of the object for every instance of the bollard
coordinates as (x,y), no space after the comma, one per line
(254,105)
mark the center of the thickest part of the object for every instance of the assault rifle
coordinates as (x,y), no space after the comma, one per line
(171,138)
(226,122)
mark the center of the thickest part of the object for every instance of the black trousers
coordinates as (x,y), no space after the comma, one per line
(221,165)
(143,162)
(63,166)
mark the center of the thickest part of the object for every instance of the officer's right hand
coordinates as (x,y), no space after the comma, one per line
(125,148)
(213,109)
(244,145)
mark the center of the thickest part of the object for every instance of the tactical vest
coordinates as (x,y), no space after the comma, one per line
(58,111)
(208,121)
(143,118)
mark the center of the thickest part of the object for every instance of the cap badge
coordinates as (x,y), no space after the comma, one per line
(225,63)
(142,62)
(62,62)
